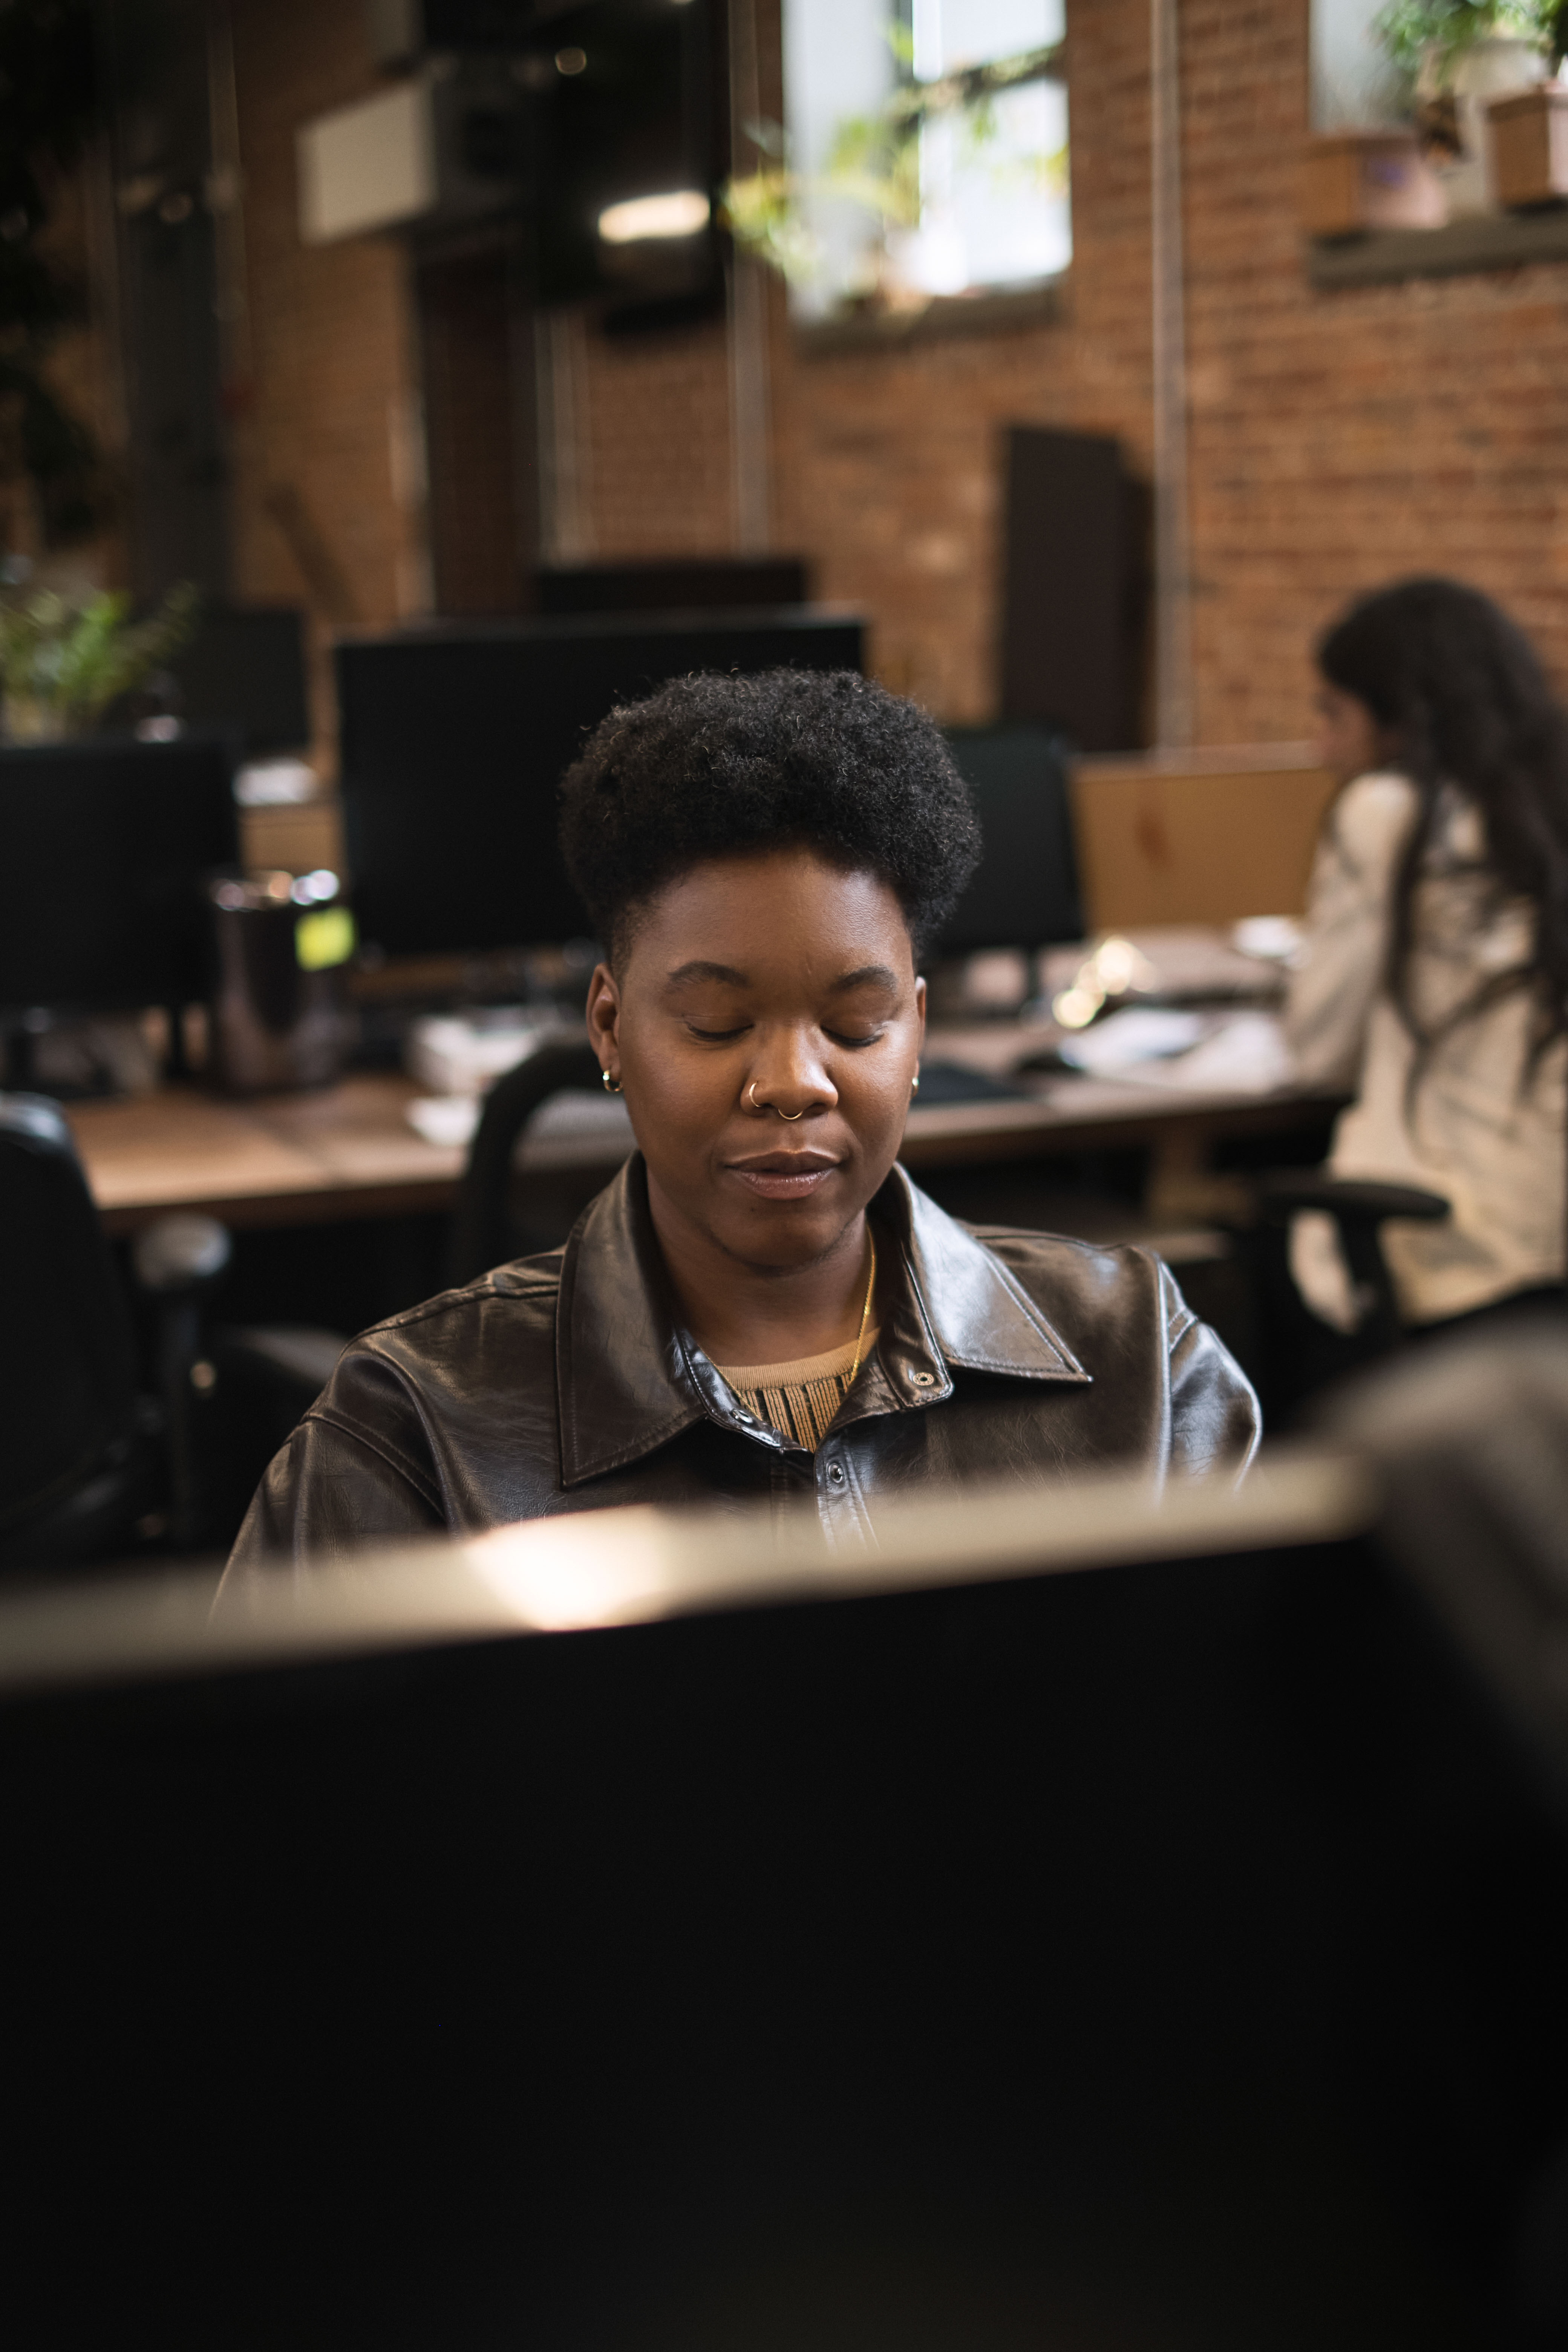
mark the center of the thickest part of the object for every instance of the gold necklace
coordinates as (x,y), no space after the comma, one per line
(865,1310)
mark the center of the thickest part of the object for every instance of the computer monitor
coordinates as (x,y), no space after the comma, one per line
(909,1949)
(455,742)
(1026,891)
(243,672)
(103,846)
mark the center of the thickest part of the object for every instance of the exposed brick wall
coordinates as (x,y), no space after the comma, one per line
(327,496)
(890,463)
(656,418)
(478,560)
(1339,439)
(1336,439)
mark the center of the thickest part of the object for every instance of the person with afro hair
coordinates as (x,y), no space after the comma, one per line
(762,1304)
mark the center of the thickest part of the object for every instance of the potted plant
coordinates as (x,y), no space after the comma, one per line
(1460,55)
(1530,131)
(65,658)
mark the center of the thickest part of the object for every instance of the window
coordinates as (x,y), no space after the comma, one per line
(927,145)
(1355,84)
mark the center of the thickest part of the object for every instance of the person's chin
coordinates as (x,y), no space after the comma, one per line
(785,1231)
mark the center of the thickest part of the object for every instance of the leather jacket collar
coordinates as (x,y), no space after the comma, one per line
(629,1378)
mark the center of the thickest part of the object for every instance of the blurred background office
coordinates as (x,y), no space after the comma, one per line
(389,385)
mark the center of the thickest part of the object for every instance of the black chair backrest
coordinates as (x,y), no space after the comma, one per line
(481,1229)
(68,1365)
(1359,1210)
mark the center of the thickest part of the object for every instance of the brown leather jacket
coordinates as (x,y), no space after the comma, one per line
(565,1383)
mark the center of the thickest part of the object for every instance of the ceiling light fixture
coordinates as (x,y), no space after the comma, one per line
(681,213)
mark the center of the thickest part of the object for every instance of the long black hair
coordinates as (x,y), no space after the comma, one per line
(1458,690)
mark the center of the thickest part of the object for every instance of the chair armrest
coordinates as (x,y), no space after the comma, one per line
(1350,1199)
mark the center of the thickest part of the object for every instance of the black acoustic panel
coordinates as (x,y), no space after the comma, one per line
(689,586)
(1024,893)
(1075,591)
(103,846)
(454,744)
(645,113)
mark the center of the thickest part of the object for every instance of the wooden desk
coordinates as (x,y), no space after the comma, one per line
(349,1152)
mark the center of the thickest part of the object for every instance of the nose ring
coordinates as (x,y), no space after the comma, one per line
(752,1097)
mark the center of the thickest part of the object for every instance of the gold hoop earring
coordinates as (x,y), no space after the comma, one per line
(611,1086)
(915,1084)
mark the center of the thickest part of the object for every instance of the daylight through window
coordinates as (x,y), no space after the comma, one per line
(926,150)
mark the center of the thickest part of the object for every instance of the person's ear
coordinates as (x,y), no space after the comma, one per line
(605,1019)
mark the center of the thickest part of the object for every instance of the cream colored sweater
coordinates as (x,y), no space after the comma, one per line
(1477,1131)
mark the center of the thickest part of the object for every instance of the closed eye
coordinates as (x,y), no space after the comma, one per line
(854,1044)
(717,1036)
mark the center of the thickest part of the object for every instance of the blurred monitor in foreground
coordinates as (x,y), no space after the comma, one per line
(455,742)
(639,1932)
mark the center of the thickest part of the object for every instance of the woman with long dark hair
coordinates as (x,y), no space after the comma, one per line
(1435,981)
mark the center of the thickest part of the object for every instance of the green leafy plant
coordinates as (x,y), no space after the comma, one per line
(64,659)
(1417,32)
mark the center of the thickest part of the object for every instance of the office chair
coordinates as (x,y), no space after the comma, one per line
(1296,1356)
(102,1456)
(482,1232)
(80,1462)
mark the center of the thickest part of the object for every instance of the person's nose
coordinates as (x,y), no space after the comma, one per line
(789,1075)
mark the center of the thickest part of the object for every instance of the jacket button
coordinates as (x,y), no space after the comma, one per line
(836,1474)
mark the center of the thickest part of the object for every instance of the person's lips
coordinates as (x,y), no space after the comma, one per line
(785,1175)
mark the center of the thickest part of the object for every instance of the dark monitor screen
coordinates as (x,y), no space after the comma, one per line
(103,846)
(243,672)
(1160,1956)
(1024,893)
(455,742)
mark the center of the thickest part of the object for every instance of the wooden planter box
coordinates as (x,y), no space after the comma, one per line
(1359,180)
(1529,147)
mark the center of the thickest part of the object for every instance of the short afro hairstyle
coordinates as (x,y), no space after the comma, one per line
(725,766)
